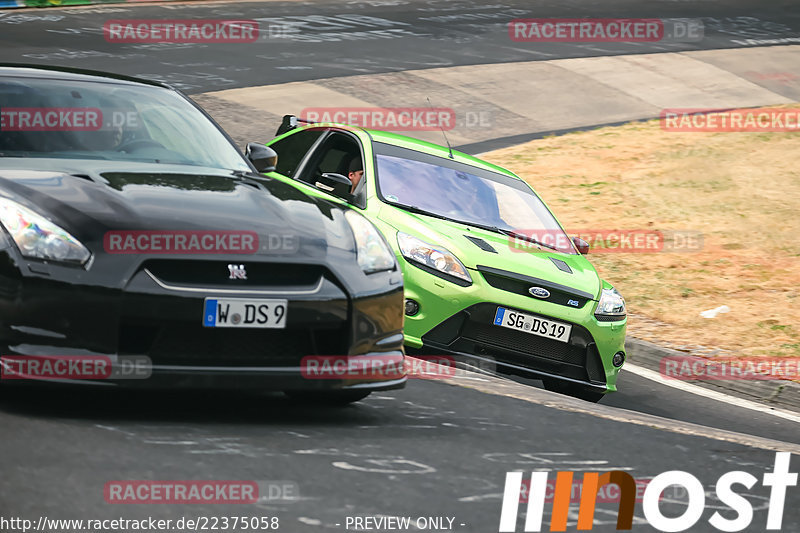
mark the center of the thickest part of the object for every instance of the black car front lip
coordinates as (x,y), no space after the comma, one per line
(504,367)
(221,377)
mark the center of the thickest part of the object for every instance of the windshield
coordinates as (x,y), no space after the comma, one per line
(108,121)
(462,193)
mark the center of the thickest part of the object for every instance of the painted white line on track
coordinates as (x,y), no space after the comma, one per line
(500,386)
(652,375)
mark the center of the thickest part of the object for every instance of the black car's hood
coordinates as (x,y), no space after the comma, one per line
(111,197)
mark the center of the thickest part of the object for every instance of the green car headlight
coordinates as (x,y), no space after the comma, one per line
(374,255)
(611,304)
(38,238)
(435,257)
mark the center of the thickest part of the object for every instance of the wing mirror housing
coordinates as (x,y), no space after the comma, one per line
(263,157)
(581,245)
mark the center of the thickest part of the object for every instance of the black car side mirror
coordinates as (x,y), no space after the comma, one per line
(336,184)
(263,157)
(581,245)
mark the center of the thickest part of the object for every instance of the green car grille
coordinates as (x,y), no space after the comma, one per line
(471,332)
(520,284)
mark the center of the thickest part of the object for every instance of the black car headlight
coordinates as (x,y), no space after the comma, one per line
(435,257)
(374,255)
(611,304)
(38,238)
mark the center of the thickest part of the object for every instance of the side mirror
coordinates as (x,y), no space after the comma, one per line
(336,184)
(263,157)
(581,245)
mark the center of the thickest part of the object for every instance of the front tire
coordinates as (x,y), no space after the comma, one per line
(337,398)
(572,389)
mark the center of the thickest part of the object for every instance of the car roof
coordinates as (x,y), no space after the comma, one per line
(26,70)
(425,147)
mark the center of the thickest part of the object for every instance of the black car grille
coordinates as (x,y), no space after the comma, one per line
(610,318)
(520,284)
(260,274)
(472,332)
(526,343)
(193,345)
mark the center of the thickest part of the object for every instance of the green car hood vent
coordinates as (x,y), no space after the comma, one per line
(561,265)
(483,245)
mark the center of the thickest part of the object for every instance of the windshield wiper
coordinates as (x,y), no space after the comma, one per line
(507,232)
(420,211)
(493,229)
(248,174)
(516,235)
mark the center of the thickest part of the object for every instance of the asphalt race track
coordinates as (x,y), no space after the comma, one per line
(321,39)
(431,450)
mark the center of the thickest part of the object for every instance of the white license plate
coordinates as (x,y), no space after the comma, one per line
(534,325)
(244,313)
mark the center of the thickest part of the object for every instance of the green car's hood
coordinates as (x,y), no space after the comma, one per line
(530,260)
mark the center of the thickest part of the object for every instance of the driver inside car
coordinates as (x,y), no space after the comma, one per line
(355,173)
(109,138)
(120,126)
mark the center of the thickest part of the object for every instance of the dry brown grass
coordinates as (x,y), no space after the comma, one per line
(741,190)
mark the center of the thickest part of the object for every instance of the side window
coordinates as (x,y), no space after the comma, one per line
(336,160)
(338,154)
(292,149)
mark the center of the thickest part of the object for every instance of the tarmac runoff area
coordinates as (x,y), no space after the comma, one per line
(497,105)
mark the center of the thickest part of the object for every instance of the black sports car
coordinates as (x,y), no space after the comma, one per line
(134,233)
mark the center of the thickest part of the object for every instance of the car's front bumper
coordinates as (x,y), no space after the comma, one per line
(45,317)
(459,320)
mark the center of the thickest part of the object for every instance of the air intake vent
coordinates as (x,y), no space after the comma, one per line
(561,265)
(480,243)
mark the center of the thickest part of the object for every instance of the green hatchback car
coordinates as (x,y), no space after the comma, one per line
(490,275)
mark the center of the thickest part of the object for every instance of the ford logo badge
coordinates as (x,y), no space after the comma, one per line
(539,292)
